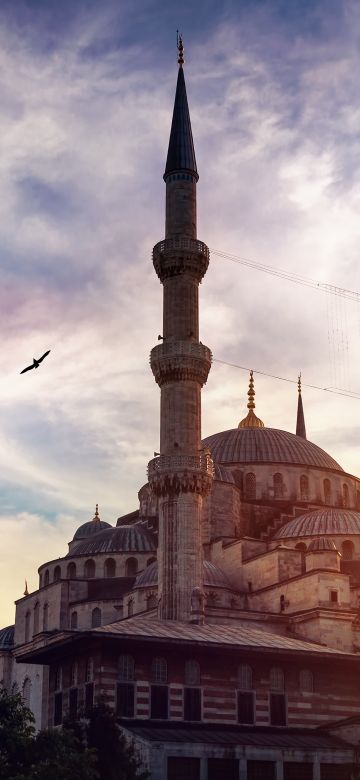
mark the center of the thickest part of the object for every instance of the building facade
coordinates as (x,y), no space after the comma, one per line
(220,619)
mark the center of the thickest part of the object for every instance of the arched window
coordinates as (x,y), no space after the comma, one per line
(301,546)
(347,550)
(57,573)
(58,678)
(250,485)
(304,488)
(27,627)
(74,620)
(245,677)
(26,690)
(278,485)
(345,495)
(276,679)
(306,681)
(89,569)
(159,670)
(131,567)
(151,601)
(327,491)
(150,561)
(130,607)
(192,672)
(89,670)
(96,617)
(46,577)
(126,667)
(73,674)
(45,617)
(110,567)
(36,618)
(71,571)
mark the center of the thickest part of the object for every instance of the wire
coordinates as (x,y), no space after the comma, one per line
(334,390)
(331,289)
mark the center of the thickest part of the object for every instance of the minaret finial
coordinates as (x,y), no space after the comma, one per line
(96,512)
(300,419)
(180,48)
(251,420)
(26,591)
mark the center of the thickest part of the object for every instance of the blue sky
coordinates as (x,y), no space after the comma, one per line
(86,95)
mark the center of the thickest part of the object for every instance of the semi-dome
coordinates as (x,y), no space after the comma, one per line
(124,538)
(222,474)
(7,637)
(91,528)
(246,446)
(214,577)
(321,544)
(321,522)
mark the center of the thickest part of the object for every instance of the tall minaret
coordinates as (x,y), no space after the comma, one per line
(181,476)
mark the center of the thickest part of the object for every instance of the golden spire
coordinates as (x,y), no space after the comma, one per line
(180,47)
(97,516)
(251,420)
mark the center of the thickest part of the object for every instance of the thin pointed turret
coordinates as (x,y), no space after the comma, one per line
(300,420)
(181,152)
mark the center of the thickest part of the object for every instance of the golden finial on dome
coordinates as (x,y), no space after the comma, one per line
(251,420)
(97,516)
(180,47)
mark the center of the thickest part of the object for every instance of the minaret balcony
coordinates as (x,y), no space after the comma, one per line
(174,361)
(174,474)
(179,255)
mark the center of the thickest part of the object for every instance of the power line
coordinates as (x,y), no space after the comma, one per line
(333,390)
(331,289)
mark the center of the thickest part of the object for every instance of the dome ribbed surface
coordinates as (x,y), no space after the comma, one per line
(7,637)
(213,576)
(321,521)
(124,538)
(266,445)
(90,528)
(321,544)
(222,474)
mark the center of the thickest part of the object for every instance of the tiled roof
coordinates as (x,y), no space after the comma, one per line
(266,445)
(232,736)
(211,635)
(213,576)
(7,637)
(123,538)
(321,521)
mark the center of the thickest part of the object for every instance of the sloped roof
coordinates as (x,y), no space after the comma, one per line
(320,522)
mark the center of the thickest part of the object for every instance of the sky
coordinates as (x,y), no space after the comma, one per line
(86,97)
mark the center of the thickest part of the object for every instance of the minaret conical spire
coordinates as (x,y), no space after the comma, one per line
(181,152)
(300,420)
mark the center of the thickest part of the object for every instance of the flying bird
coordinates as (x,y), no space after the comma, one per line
(35,363)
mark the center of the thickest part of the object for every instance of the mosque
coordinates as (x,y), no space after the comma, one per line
(220,619)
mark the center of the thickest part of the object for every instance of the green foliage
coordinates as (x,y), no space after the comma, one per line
(117,759)
(16,734)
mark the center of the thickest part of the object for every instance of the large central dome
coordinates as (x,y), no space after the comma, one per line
(244,446)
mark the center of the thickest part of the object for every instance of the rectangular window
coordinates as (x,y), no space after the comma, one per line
(294,770)
(334,596)
(192,703)
(159,702)
(224,768)
(335,771)
(183,768)
(57,709)
(261,770)
(245,705)
(125,700)
(277,709)
(73,703)
(89,697)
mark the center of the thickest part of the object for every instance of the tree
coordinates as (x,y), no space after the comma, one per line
(117,759)
(16,734)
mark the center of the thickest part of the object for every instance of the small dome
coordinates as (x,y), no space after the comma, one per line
(322,543)
(7,637)
(91,527)
(123,538)
(214,577)
(321,522)
(222,474)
